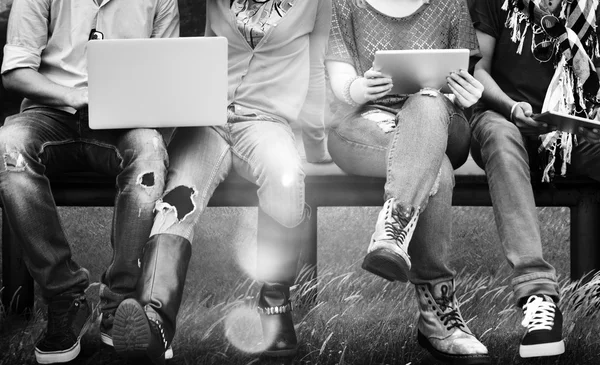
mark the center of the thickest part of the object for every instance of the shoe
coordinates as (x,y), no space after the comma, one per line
(441,329)
(144,328)
(387,255)
(275,309)
(543,321)
(69,317)
(106,328)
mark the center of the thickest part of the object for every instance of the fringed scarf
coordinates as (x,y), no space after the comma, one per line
(574,86)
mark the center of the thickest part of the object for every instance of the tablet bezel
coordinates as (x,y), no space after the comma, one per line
(565,122)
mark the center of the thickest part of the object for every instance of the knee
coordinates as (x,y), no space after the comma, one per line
(144,145)
(428,102)
(444,182)
(17,147)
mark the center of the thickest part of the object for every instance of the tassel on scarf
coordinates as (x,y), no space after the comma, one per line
(505,5)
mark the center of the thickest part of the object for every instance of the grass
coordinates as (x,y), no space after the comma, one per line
(357,319)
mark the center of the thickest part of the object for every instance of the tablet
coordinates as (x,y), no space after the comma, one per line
(565,122)
(413,70)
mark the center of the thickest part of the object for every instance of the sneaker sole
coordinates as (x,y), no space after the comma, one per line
(386,264)
(66,355)
(106,339)
(131,330)
(451,358)
(541,350)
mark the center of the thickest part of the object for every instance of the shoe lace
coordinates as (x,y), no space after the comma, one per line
(539,314)
(451,316)
(395,227)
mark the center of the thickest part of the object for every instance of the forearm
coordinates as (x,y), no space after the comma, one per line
(493,95)
(35,86)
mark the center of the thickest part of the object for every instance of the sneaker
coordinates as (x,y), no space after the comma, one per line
(387,255)
(441,328)
(543,321)
(106,328)
(69,317)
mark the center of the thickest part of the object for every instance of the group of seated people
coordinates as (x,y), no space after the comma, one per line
(527,56)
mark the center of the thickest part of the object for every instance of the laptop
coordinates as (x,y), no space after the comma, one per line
(157,82)
(413,70)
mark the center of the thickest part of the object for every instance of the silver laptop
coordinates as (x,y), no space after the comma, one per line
(413,70)
(157,82)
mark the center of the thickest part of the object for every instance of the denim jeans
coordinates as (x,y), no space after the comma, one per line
(412,157)
(260,150)
(43,141)
(502,151)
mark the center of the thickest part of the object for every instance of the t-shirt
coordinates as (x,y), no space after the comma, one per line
(255,17)
(520,76)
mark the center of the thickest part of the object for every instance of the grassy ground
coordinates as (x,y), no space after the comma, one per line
(358,318)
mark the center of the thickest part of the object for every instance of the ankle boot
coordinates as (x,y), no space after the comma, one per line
(146,327)
(442,330)
(275,308)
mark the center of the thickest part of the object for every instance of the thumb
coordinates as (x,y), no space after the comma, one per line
(527,110)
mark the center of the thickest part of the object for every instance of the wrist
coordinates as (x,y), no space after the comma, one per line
(347,91)
(513,108)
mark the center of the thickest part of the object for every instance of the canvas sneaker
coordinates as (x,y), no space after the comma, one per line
(69,317)
(387,255)
(106,328)
(543,321)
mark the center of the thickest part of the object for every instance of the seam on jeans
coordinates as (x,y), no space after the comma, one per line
(54,143)
(358,143)
(532,276)
(392,148)
(154,273)
(105,145)
(213,173)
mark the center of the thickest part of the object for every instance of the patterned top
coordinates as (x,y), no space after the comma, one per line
(358,32)
(255,17)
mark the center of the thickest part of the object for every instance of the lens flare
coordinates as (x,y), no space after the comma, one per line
(244,331)
(287,180)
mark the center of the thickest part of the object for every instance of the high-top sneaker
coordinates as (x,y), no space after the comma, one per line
(543,321)
(442,330)
(275,308)
(387,255)
(106,327)
(69,317)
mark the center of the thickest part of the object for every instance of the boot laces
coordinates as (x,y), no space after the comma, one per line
(396,228)
(451,316)
(539,314)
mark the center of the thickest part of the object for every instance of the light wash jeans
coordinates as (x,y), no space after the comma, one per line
(411,157)
(502,151)
(43,141)
(260,149)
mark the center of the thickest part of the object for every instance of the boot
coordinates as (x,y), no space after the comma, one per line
(146,327)
(278,253)
(387,255)
(275,308)
(442,330)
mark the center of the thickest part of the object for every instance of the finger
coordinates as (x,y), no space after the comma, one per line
(378,89)
(590,134)
(470,90)
(370,73)
(462,97)
(378,81)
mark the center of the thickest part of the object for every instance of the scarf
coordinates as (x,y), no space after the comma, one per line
(574,86)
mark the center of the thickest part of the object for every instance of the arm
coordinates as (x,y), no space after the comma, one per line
(312,115)
(166,21)
(371,86)
(27,37)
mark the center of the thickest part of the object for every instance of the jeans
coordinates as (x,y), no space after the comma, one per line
(414,159)
(260,149)
(502,151)
(43,141)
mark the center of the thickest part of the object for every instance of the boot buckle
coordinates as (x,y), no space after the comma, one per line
(279,309)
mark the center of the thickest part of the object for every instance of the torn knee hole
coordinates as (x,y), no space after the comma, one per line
(181,199)
(14,160)
(146,179)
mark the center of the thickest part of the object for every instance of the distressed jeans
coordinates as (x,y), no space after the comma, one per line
(260,150)
(502,151)
(414,159)
(43,141)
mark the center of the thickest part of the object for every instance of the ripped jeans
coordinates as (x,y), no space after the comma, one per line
(42,142)
(431,136)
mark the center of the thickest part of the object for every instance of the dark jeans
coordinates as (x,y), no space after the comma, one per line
(44,141)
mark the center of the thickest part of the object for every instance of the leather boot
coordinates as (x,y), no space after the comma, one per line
(145,327)
(279,249)
(442,330)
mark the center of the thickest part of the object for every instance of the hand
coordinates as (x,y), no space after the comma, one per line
(466,89)
(522,117)
(591,135)
(77,98)
(373,85)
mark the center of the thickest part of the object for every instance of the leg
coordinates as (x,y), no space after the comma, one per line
(265,153)
(32,144)
(145,326)
(506,163)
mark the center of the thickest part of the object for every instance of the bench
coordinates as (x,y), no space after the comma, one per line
(326,186)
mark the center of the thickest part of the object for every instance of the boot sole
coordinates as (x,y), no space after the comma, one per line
(386,264)
(450,358)
(131,330)
(541,350)
(281,353)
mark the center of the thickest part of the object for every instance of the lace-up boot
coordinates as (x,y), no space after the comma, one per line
(275,308)
(543,321)
(145,328)
(442,330)
(387,255)
(69,317)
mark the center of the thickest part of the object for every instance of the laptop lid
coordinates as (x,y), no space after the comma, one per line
(413,70)
(157,82)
